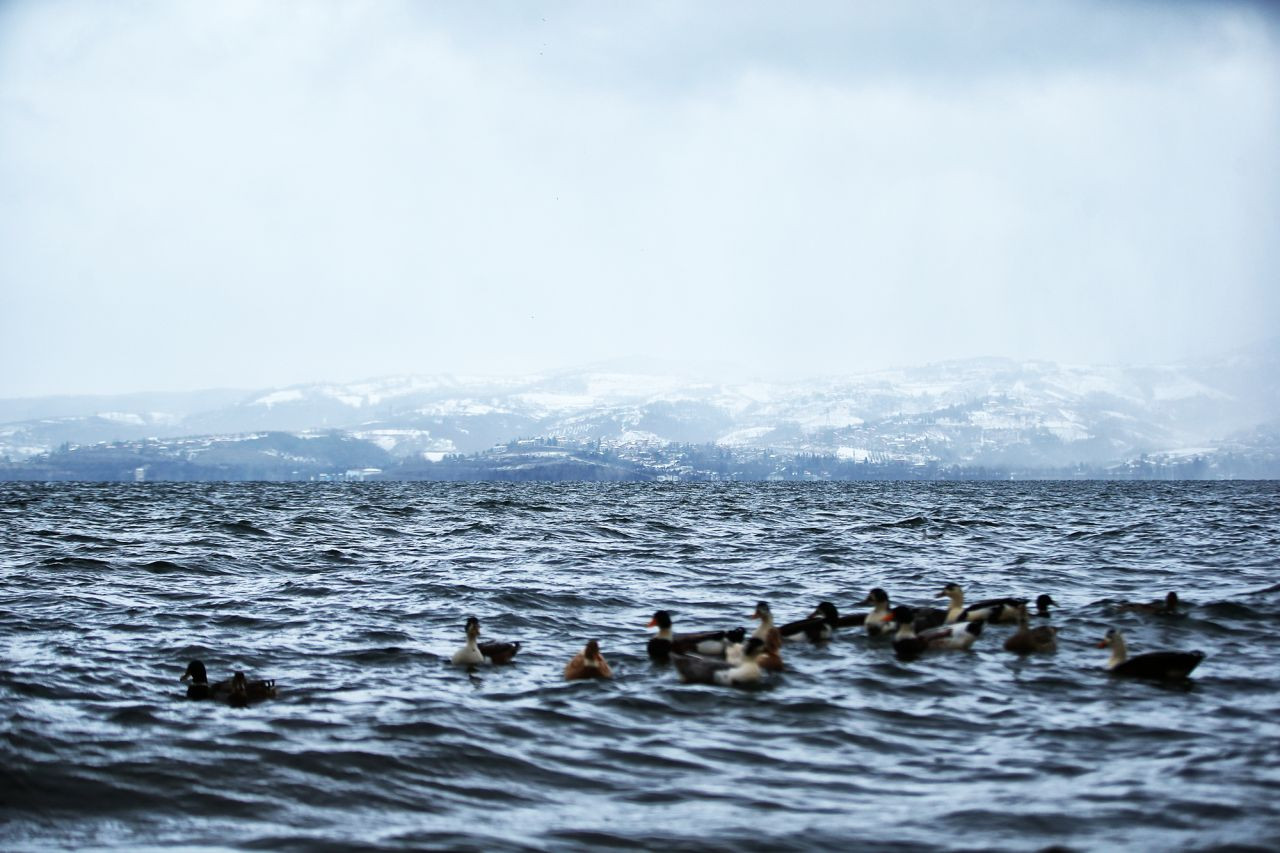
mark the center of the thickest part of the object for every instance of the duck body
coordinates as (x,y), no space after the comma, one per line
(244,692)
(1159,666)
(698,670)
(997,610)
(1027,640)
(667,643)
(588,663)
(475,653)
(818,627)
(1167,606)
(908,644)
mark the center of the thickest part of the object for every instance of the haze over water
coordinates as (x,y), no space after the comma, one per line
(353,597)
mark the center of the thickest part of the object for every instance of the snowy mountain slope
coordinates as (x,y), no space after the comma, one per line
(975,411)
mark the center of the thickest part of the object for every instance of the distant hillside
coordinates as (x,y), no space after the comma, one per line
(992,413)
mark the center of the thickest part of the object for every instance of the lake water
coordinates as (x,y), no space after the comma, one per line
(353,597)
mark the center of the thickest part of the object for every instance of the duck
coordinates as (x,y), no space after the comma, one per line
(1162,666)
(908,644)
(474,653)
(816,628)
(588,663)
(955,612)
(662,646)
(997,610)
(1168,606)
(698,670)
(243,691)
(1027,640)
(874,621)
(989,610)
(236,688)
(200,688)
(770,658)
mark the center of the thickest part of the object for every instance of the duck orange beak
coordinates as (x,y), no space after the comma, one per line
(1102,644)
(888,617)
(652,622)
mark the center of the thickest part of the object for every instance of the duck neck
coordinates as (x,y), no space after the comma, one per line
(957,606)
(664,633)
(1119,654)
(765,626)
(906,631)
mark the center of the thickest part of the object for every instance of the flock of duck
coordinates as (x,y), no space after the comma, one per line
(732,658)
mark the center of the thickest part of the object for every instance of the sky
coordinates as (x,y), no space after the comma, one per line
(254,194)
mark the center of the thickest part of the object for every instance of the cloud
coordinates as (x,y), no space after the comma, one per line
(248,194)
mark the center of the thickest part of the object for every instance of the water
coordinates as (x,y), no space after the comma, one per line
(353,597)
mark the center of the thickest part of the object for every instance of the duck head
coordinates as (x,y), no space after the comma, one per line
(1171,601)
(195,673)
(952,591)
(762,611)
(827,612)
(661,620)
(877,596)
(1113,638)
(753,648)
(737,635)
(901,614)
(473,627)
(1043,601)
(592,651)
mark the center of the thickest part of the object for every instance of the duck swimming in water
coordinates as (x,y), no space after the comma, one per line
(200,688)
(908,644)
(874,621)
(1168,606)
(588,663)
(238,689)
(697,670)
(1162,666)
(243,691)
(1027,640)
(474,653)
(819,626)
(770,658)
(667,643)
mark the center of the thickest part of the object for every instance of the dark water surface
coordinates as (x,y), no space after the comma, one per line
(353,597)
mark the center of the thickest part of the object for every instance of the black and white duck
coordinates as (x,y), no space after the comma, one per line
(908,643)
(666,643)
(474,653)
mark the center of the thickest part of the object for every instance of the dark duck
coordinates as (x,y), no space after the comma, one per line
(1160,666)
(819,626)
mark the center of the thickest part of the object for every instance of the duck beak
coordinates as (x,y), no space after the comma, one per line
(185,676)
(888,617)
(756,615)
(1102,644)
(652,623)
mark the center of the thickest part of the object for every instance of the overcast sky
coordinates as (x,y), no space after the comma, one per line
(249,194)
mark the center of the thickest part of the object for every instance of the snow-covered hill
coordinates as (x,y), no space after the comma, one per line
(983,411)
